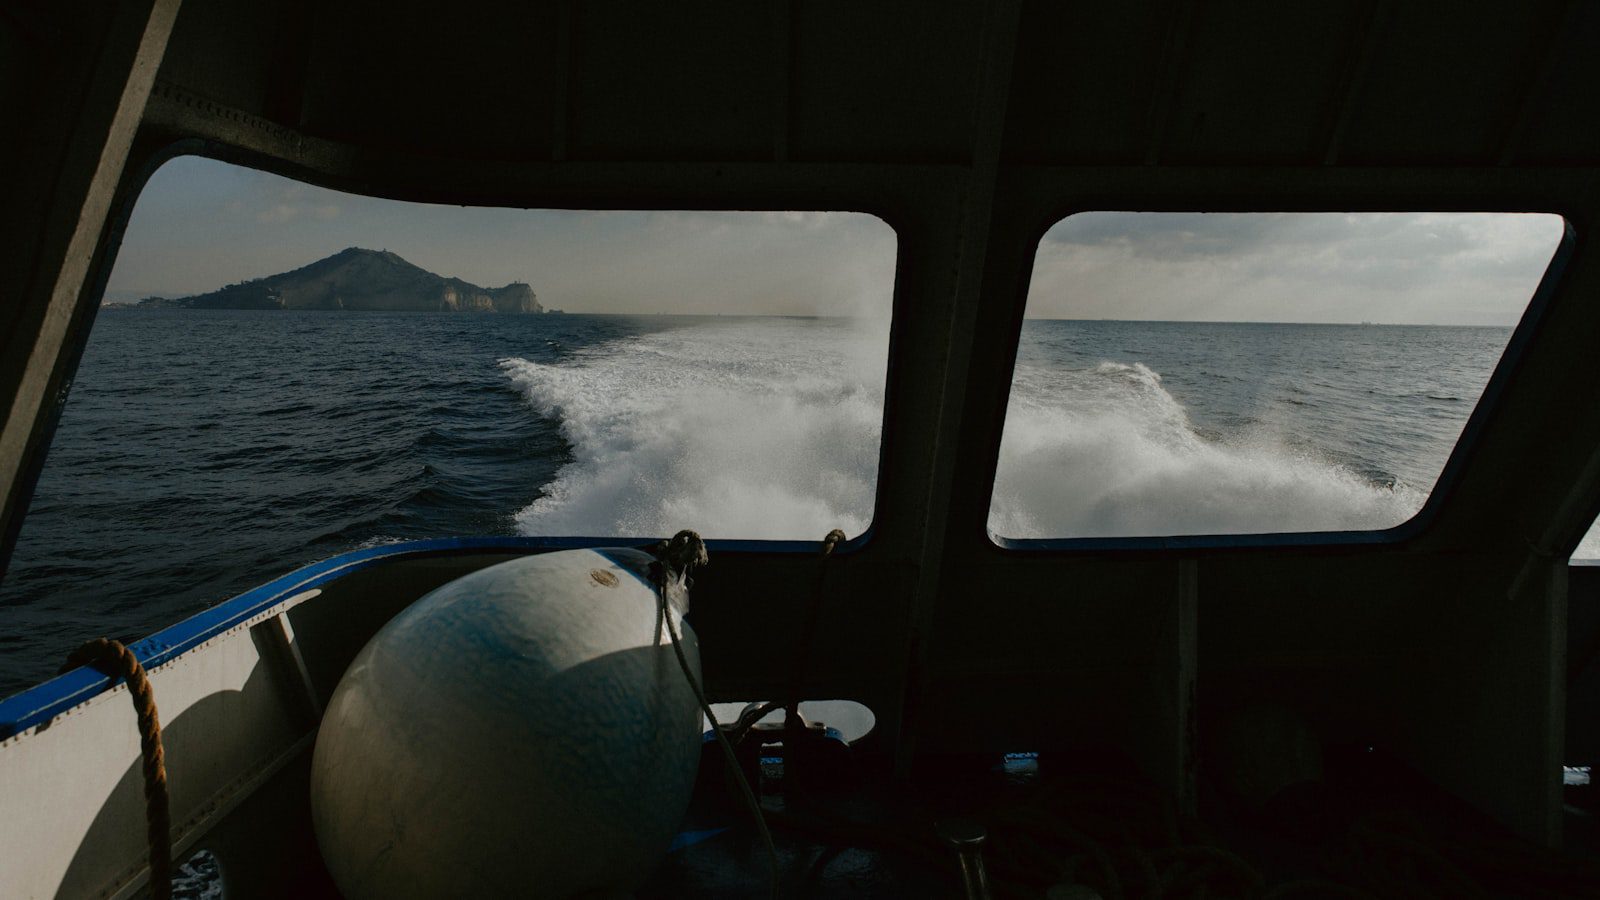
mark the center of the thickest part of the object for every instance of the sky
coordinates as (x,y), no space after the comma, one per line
(201,224)
(1385,268)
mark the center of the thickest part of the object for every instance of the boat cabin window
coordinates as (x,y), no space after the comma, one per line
(1209,374)
(1588,549)
(281,372)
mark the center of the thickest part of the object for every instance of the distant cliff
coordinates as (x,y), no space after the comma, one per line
(359,279)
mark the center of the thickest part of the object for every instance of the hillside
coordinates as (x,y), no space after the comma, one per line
(357,279)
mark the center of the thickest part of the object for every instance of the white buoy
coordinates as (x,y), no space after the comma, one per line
(525,730)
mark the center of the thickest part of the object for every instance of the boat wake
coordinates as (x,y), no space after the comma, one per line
(770,429)
(751,429)
(1108,451)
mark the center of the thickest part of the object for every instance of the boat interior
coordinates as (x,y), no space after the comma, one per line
(1446,667)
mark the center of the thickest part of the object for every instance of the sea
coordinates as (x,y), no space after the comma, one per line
(202,453)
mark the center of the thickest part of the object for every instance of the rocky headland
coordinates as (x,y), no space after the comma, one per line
(357,279)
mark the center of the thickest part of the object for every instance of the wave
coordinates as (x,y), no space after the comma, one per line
(751,429)
(1108,451)
(770,429)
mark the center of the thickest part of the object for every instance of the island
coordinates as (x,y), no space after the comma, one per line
(358,279)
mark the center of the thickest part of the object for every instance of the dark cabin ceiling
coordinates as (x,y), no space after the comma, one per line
(1351,82)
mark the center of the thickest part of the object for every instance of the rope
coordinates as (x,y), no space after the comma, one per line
(117,661)
(802,664)
(756,712)
(749,717)
(685,551)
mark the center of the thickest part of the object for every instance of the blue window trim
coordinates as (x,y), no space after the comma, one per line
(41,703)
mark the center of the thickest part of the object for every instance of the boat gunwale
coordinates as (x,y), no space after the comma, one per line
(41,704)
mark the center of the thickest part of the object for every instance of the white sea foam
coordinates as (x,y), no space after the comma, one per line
(770,429)
(1108,451)
(749,428)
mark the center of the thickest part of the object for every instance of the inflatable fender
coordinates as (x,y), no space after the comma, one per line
(525,730)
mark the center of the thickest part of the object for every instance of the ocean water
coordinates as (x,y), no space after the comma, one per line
(1184,428)
(203,453)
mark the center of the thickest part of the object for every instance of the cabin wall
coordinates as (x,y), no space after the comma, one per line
(233,710)
(969,133)
(74,97)
(1583,665)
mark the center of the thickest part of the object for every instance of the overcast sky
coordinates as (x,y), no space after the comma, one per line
(1392,268)
(201,224)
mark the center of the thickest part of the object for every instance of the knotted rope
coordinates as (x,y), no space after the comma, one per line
(676,558)
(808,638)
(117,661)
(683,552)
(756,712)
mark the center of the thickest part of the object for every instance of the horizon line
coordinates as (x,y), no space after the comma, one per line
(812,315)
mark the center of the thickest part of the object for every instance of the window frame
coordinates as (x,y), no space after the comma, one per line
(142,166)
(1444,487)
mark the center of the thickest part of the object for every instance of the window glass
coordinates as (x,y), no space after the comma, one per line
(1194,374)
(281,373)
(1589,547)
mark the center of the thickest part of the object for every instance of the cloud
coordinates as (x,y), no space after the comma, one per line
(201,224)
(1473,268)
(277,200)
(279,213)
